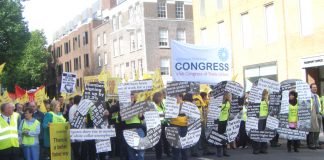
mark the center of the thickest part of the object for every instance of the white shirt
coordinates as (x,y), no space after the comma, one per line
(72,112)
(5,118)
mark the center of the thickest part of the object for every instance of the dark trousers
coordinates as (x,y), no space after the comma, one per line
(176,152)
(76,149)
(10,153)
(259,147)
(274,140)
(294,143)
(243,138)
(313,139)
(162,143)
(88,149)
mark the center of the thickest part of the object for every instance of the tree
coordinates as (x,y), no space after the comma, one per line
(13,37)
(33,65)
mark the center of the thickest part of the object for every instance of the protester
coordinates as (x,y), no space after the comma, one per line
(316,119)
(29,130)
(19,108)
(243,138)
(222,123)
(88,147)
(135,123)
(52,117)
(293,118)
(182,123)
(9,144)
(75,144)
(322,105)
(159,106)
(47,105)
(261,147)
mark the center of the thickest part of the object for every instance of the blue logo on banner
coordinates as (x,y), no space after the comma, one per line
(223,54)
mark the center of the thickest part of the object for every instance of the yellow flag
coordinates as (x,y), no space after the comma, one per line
(42,107)
(40,96)
(234,77)
(24,99)
(5,98)
(1,67)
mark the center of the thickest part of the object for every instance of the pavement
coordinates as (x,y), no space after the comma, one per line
(274,153)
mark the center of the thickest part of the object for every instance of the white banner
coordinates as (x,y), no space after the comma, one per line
(200,64)
(68,82)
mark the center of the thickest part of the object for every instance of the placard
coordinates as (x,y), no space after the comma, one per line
(262,136)
(179,87)
(192,137)
(217,139)
(255,95)
(84,106)
(283,120)
(94,91)
(232,129)
(127,113)
(172,136)
(251,123)
(272,123)
(253,110)
(103,146)
(92,134)
(171,107)
(234,88)
(78,120)
(68,82)
(274,103)
(218,90)
(98,113)
(152,119)
(271,85)
(60,141)
(292,134)
(284,102)
(191,110)
(214,107)
(303,90)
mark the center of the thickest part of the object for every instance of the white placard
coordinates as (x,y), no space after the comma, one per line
(84,106)
(132,138)
(214,107)
(232,129)
(234,88)
(271,85)
(68,82)
(152,119)
(103,146)
(251,123)
(92,134)
(272,123)
(171,107)
(284,108)
(255,95)
(192,137)
(191,110)
(303,90)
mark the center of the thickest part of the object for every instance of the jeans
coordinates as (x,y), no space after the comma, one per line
(176,152)
(134,154)
(31,152)
(163,143)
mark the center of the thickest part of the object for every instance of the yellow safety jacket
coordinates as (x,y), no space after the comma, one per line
(264,109)
(244,116)
(57,118)
(9,132)
(224,112)
(29,140)
(293,113)
(133,120)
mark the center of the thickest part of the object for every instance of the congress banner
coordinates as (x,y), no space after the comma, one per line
(200,63)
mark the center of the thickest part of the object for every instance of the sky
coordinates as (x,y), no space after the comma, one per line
(51,15)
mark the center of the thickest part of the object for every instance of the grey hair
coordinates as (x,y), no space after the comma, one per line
(3,106)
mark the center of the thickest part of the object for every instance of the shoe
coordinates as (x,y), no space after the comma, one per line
(208,153)
(226,155)
(240,147)
(318,147)
(245,147)
(312,148)
(296,150)
(264,152)
(255,152)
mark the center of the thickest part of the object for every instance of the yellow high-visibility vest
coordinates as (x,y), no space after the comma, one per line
(264,109)
(224,112)
(29,140)
(57,118)
(9,132)
(293,113)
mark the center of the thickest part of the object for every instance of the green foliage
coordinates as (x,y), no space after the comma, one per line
(24,53)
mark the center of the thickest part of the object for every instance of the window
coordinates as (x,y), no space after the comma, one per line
(219,4)
(139,40)
(140,67)
(60,69)
(246,30)
(69,48)
(222,39)
(164,38)
(132,42)
(106,58)
(130,15)
(86,60)
(202,7)
(99,60)
(255,72)
(115,45)
(114,23)
(122,70)
(76,64)
(179,9)
(98,41)
(80,62)
(74,42)
(203,36)
(77,82)
(116,69)
(104,38)
(181,35)
(306,18)
(271,25)
(66,47)
(120,20)
(162,9)
(120,42)
(85,38)
(67,67)
(164,66)
(79,45)
(133,69)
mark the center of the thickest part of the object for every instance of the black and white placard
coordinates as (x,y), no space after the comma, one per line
(68,82)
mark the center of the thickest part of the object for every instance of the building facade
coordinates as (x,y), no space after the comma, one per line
(135,36)
(269,38)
